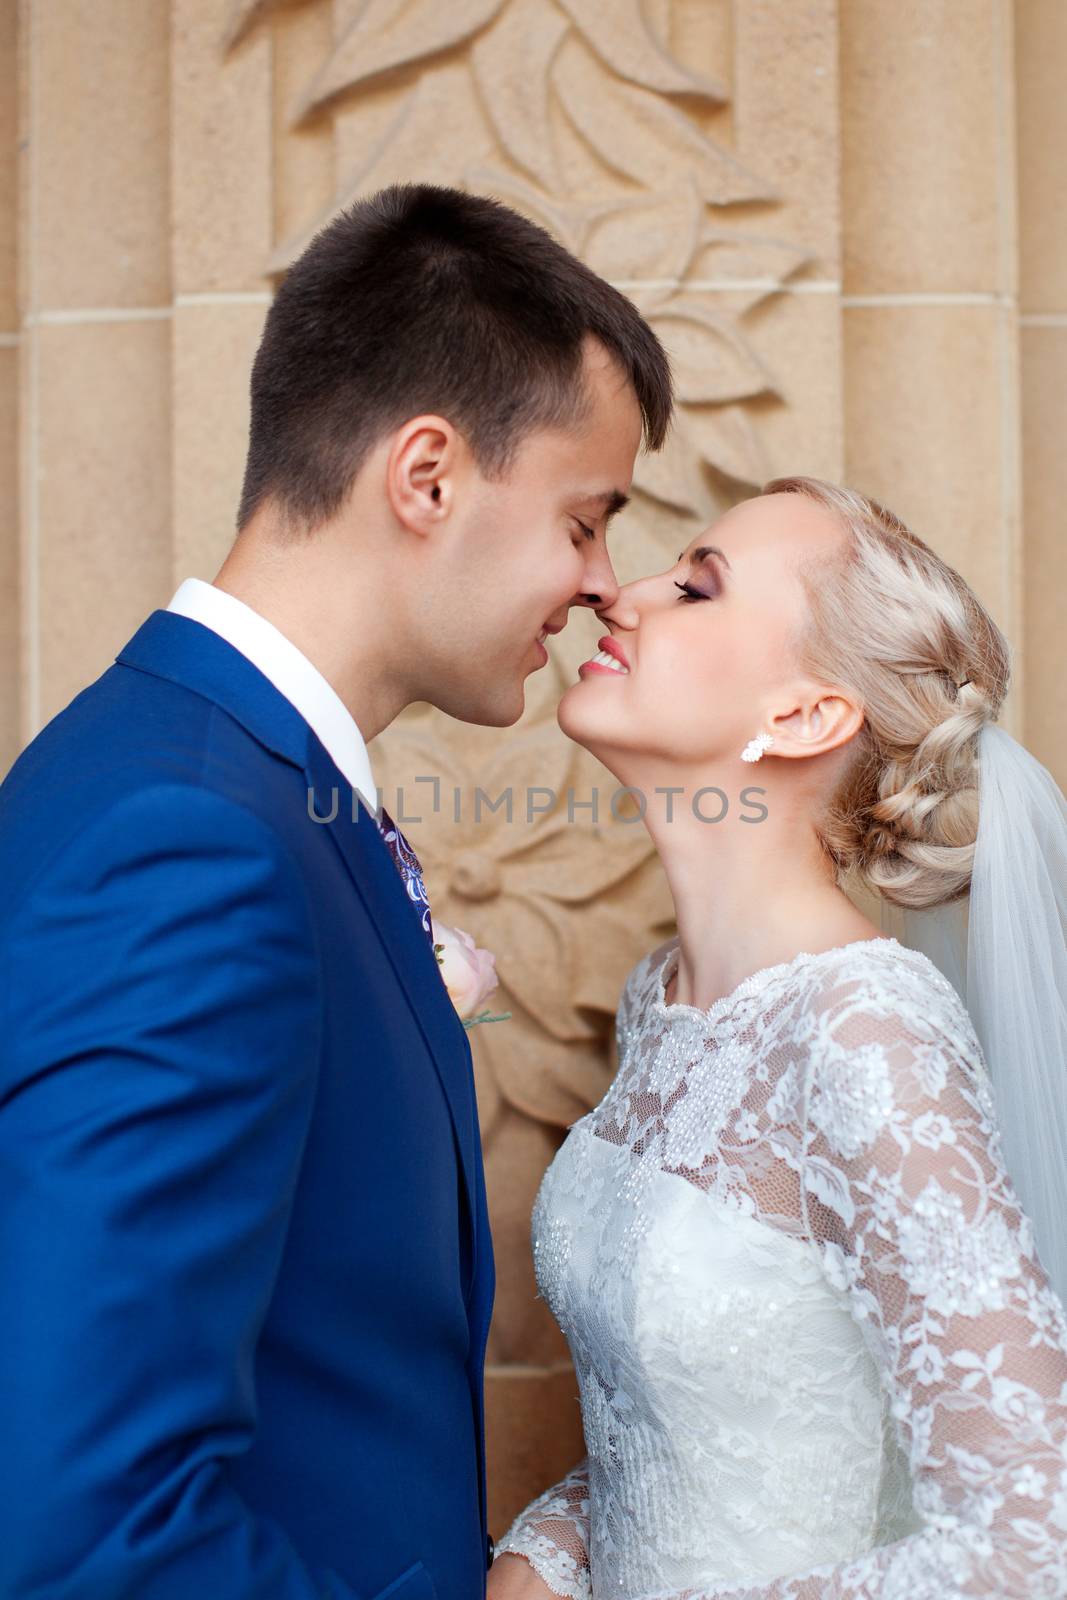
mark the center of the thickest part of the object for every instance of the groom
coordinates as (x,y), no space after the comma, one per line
(245,1265)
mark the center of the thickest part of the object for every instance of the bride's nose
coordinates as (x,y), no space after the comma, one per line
(625,610)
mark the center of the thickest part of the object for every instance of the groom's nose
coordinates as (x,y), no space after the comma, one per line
(623,609)
(600,587)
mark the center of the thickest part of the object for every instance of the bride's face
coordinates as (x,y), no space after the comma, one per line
(709,644)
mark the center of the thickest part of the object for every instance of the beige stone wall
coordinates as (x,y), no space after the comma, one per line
(1040,55)
(845,218)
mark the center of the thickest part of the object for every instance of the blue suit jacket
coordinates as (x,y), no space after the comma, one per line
(245,1266)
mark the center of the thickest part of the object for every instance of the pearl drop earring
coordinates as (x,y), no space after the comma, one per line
(755,747)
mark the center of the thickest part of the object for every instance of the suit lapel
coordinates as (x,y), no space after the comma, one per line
(378,883)
(184,651)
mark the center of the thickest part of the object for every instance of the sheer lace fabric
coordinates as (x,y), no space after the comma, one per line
(817,1355)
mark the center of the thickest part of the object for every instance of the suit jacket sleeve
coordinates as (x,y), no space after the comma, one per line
(160,1017)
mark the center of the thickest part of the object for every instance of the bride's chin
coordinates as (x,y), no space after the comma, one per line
(571,725)
(577,724)
(585,730)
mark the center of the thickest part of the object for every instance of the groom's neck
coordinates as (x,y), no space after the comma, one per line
(330,609)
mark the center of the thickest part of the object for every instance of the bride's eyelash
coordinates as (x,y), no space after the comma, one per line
(690,593)
(590,533)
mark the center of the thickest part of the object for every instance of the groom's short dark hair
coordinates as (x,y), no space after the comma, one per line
(426,299)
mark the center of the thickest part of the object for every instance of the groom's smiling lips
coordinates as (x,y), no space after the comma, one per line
(540,642)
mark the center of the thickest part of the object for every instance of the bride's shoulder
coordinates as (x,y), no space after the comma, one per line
(882,991)
(883,1042)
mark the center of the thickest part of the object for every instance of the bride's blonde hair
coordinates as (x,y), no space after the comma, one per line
(899,627)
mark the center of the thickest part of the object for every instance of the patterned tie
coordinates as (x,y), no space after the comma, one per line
(407,864)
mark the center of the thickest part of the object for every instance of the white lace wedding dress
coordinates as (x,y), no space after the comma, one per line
(816,1353)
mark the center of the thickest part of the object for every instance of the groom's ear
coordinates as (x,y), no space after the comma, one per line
(819,719)
(420,473)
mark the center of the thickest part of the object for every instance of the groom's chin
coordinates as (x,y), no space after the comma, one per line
(501,709)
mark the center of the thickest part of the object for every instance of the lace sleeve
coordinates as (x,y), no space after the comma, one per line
(553,1534)
(905,1194)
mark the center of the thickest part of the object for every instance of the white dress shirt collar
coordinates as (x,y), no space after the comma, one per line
(290,671)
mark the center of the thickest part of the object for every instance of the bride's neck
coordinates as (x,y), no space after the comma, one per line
(747,894)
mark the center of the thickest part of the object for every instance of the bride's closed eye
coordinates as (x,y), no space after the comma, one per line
(689,592)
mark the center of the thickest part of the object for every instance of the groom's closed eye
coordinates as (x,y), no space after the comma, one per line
(604,505)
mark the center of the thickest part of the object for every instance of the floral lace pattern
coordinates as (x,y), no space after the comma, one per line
(817,1354)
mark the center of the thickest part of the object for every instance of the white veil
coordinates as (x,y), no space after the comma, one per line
(1005,951)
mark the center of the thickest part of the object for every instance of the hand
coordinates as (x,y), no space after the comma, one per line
(513,1578)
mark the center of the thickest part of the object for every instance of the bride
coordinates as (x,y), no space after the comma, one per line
(817,1350)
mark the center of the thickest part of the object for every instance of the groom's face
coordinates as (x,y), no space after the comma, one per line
(531,545)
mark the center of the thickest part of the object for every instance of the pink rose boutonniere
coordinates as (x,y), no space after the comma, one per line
(469,973)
